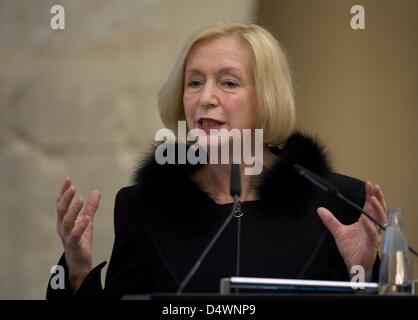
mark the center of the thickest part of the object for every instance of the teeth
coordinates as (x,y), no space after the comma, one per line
(210,123)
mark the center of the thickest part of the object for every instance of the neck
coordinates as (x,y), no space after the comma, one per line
(215,179)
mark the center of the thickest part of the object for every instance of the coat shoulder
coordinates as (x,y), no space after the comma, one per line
(349,186)
(127,193)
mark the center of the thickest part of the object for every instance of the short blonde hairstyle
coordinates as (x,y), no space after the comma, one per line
(272,79)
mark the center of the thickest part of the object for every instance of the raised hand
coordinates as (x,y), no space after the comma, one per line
(358,243)
(76,231)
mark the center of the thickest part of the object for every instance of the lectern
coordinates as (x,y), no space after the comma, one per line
(228,285)
(258,288)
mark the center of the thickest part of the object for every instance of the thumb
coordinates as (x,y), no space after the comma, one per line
(329,220)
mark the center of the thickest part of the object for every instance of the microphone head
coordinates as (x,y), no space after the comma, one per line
(235,182)
(298,168)
(316,180)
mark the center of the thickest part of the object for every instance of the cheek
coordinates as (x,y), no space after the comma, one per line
(241,111)
(189,105)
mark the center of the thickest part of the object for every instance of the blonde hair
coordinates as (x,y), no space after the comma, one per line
(273,83)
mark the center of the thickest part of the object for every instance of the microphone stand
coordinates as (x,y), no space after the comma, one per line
(235,190)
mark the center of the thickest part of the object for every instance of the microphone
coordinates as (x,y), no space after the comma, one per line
(235,182)
(235,191)
(316,180)
(332,190)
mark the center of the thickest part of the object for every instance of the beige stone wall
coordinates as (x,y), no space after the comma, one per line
(357,89)
(79,102)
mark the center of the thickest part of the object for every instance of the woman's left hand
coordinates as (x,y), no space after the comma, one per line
(358,243)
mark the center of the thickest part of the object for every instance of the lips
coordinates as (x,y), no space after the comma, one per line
(208,123)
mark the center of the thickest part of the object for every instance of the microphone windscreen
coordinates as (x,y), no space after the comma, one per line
(235,182)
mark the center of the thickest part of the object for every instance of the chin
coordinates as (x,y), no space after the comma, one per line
(210,141)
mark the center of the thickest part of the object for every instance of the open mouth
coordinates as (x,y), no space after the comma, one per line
(209,123)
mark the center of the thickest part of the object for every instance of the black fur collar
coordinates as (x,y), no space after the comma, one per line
(280,187)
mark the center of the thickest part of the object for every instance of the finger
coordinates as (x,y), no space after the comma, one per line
(372,211)
(375,190)
(368,207)
(69,218)
(64,187)
(64,202)
(378,211)
(92,204)
(332,223)
(369,190)
(76,233)
(381,197)
(370,228)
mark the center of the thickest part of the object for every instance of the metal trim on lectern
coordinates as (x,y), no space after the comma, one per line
(227,284)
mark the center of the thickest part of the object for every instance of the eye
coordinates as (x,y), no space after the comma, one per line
(194,83)
(230,84)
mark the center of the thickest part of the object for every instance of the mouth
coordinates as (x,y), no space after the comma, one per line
(207,124)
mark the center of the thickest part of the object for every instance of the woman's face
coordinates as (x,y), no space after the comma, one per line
(219,88)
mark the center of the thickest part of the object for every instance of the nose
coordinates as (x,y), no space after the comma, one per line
(209,96)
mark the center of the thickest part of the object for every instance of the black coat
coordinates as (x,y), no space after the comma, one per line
(164,221)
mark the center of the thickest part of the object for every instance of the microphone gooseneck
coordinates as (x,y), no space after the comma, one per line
(235,190)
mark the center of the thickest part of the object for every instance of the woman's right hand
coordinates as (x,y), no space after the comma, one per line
(76,231)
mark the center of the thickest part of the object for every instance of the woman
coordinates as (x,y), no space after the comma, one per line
(228,76)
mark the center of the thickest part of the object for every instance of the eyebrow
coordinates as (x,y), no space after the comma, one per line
(228,70)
